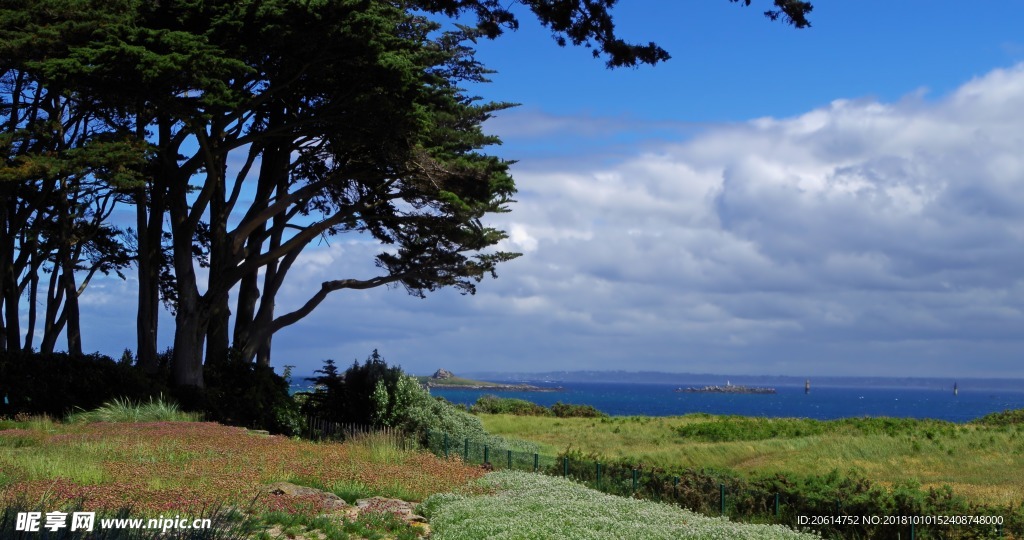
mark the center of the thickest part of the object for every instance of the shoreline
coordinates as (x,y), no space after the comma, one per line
(494,388)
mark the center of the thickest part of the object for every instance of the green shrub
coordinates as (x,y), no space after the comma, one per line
(566,410)
(376,394)
(1005,418)
(437,416)
(245,394)
(367,394)
(491,404)
(56,384)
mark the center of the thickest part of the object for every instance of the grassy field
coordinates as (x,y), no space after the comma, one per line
(985,463)
(160,466)
(108,459)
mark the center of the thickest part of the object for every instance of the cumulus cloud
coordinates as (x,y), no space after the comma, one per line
(859,223)
(857,238)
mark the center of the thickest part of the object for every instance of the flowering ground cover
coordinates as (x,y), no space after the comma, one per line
(181,466)
(518,505)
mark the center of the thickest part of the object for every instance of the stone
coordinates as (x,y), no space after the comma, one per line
(442,374)
(404,510)
(330,501)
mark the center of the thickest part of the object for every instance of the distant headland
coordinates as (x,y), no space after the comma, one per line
(443,378)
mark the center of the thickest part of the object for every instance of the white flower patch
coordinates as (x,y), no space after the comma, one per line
(530,506)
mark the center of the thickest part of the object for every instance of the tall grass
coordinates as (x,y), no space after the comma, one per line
(124,410)
(984,462)
(383,448)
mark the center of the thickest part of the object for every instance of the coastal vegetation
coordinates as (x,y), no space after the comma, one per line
(981,460)
(490,404)
(116,456)
(375,394)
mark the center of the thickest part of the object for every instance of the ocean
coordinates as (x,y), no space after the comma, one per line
(822,403)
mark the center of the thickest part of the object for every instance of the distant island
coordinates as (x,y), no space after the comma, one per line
(443,378)
(729,389)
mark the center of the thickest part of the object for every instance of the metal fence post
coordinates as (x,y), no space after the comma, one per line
(565,467)
(487,454)
(536,462)
(776,505)
(598,475)
(509,459)
(636,474)
(721,498)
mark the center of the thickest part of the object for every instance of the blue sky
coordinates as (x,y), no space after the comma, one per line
(842,200)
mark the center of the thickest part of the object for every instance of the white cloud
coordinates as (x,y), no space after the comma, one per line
(861,237)
(879,222)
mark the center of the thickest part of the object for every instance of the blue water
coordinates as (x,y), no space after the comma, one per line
(823,403)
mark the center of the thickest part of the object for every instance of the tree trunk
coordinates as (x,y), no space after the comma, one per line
(218,333)
(33,291)
(149,217)
(263,356)
(218,337)
(71,314)
(189,321)
(187,369)
(248,295)
(11,307)
(149,258)
(54,298)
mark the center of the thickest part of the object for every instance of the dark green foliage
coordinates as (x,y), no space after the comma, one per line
(792,12)
(349,398)
(246,394)
(374,393)
(568,410)
(56,384)
(241,394)
(1012,417)
(490,404)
